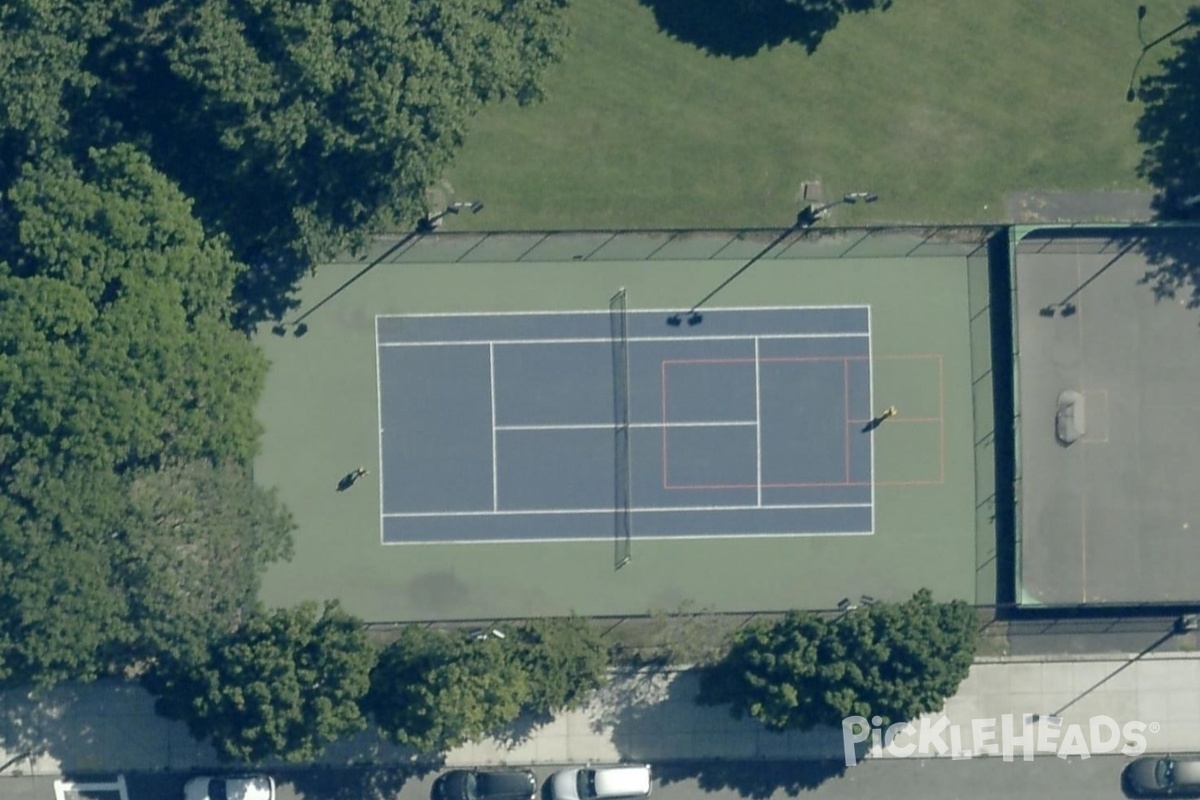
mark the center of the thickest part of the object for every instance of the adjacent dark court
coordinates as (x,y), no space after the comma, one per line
(1114,516)
(548,426)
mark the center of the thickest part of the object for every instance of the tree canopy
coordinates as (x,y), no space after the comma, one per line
(122,384)
(114,322)
(895,660)
(433,691)
(565,659)
(299,127)
(283,685)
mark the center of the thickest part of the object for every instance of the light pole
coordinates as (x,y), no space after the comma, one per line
(805,219)
(432,222)
(1131,94)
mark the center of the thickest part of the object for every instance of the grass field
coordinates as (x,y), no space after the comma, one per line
(943,107)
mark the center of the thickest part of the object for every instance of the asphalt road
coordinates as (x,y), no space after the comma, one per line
(1097,778)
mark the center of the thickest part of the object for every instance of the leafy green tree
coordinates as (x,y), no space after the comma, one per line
(115,345)
(42,47)
(193,554)
(120,378)
(895,660)
(433,691)
(771,673)
(63,614)
(284,685)
(565,660)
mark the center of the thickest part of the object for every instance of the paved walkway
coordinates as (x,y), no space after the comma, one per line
(111,727)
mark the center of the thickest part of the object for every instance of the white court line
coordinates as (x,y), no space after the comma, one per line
(608,340)
(495,469)
(63,788)
(600,312)
(608,426)
(664,510)
(641,538)
(871,411)
(379,418)
(757,421)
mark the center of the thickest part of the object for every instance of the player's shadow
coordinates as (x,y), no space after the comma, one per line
(348,480)
(872,425)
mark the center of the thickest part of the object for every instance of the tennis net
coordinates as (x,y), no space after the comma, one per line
(618,314)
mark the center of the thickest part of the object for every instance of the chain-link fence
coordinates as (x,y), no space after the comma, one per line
(684,636)
(503,247)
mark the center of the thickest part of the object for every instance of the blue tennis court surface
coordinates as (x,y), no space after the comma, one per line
(511,427)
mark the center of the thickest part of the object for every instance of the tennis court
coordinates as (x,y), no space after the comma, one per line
(576,426)
(523,432)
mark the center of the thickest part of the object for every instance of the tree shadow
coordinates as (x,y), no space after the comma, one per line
(1171,254)
(520,730)
(108,726)
(742,28)
(1173,259)
(1170,129)
(754,779)
(364,783)
(111,726)
(654,719)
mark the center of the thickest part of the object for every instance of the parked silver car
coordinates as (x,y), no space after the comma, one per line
(601,783)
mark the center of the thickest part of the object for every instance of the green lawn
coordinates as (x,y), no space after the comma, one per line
(943,107)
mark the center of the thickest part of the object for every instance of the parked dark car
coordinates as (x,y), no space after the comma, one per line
(481,784)
(1164,776)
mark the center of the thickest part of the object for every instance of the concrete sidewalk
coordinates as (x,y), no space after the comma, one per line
(111,727)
